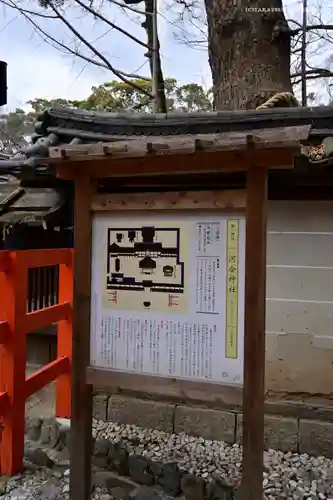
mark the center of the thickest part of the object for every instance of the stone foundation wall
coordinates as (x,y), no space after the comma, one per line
(288,426)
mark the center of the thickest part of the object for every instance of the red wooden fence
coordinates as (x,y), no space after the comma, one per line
(15,323)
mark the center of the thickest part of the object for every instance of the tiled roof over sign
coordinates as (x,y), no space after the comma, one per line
(64,127)
(67,126)
(59,126)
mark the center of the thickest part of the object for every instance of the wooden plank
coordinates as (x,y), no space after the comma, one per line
(177,144)
(81,407)
(45,375)
(5,261)
(45,258)
(47,316)
(201,162)
(13,304)
(130,153)
(8,200)
(254,334)
(4,331)
(4,403)
(178,200)
(181,390)
(64,342)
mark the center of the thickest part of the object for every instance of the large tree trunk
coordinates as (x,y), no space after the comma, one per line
(249,51)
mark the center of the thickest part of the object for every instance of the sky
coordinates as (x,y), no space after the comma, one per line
(38,69)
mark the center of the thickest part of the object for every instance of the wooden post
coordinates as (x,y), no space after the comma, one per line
(81,407)
(63,383)
(13,305)
(254,334)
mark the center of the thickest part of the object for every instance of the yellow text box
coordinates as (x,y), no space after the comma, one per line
(231,348)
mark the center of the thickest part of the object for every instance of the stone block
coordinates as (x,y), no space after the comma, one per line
(148,414)
(100,406)
(207,423)
(280,433)
(316,438)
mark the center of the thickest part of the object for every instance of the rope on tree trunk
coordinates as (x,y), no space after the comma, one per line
(285,99)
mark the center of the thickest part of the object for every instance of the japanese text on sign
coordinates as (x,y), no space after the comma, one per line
(232,289)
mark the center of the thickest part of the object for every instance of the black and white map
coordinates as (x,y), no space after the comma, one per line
(144,268)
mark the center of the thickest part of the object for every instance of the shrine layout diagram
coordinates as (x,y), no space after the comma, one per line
(144,271)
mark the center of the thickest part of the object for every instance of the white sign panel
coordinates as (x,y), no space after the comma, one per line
(168,295)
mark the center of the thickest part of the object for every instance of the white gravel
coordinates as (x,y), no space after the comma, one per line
(289,476)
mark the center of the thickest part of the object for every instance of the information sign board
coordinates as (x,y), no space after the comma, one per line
(168,295)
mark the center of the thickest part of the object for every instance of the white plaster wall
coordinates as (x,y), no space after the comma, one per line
(299,307)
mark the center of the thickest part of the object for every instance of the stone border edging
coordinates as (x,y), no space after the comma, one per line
(47,440)
(288,426)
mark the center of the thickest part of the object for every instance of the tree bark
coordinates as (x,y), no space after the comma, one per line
(249,51)
(160,100)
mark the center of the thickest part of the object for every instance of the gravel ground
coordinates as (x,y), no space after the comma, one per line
(287,475)
(43,484)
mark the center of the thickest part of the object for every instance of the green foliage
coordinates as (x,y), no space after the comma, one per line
(15,129)
(119,96)
(40,104)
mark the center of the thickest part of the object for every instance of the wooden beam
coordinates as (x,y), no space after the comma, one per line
(284,137)
(4,331)
(4,403)
(167,388)
(45,375)
(9,200)
(5,261)
(37,320)
(254,334)
(13,306)
(178,200)
(81,407)
(199,162)
(46,258)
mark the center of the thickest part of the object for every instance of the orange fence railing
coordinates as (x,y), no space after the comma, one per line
(16,321)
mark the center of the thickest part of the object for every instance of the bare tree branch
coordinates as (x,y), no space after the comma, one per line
(46,37)
(191,30)
(314,27)
(124,6)
(315,73)
(26,11)
(110,23)
(95,51)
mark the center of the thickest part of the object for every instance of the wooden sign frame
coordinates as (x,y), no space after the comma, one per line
(214,203)
(254,336)
(85,172)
